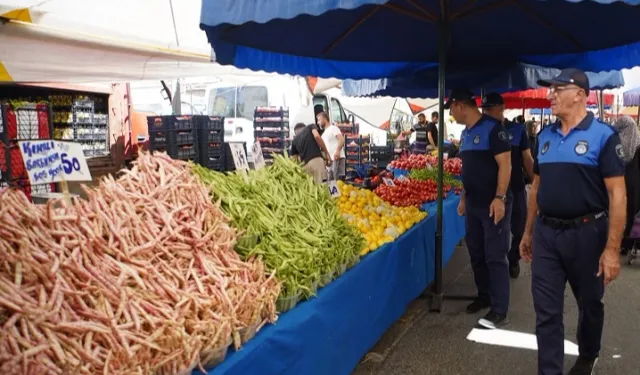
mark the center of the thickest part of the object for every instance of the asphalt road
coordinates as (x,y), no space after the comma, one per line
(424,343)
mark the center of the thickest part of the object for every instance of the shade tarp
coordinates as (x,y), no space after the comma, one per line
(631,97)
(494,78)
(375,111)
(370,39)
(116,40)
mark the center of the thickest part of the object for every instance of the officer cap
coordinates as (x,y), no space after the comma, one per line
(491,100)
(458,95)
(566,77)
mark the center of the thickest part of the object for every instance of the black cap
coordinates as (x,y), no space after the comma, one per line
(568,76)
(459,94)
(491,100)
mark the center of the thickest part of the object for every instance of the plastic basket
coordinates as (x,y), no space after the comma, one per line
(284,304)
(249,332)
(208,122)
(160,123)
(213,357)
(326,278)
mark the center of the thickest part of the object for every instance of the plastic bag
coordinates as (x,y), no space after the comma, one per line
(635,229)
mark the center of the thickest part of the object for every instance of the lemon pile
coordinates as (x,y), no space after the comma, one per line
(378,221)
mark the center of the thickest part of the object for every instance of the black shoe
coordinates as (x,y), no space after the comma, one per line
(583,366)
(477,305)
(514,270)
(493,320)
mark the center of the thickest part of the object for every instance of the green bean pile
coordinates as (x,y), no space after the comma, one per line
(300,232)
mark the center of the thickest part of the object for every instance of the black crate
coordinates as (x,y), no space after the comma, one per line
(229,165)
(278,134)
(206,136)
(208,122)
(380,151)
(164,123)
(262,112)
(213,162)
(186,152)
(171,140)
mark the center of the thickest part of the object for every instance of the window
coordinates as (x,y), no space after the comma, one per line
(250,97)
(319,101)
(337,115)
(222,102)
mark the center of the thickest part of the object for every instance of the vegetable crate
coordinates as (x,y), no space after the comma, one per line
(17,123)
(356,149)
(381,156)
(210,135)
(89,129)
(271,129)
(175,135)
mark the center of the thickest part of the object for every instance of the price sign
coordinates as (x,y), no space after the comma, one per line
(49,161)
(239,156)
(402,178)
(429,167)
(333,189)
(258,158)
(388,182)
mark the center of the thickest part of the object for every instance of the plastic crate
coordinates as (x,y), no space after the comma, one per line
(164,123)
(262,112)
(208,122)
(229,165)
(216,163)
(171,140)
(186,152)
(279,134)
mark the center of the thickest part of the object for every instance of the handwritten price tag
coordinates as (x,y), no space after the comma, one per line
(333,189)
(49,161)
(239,156)
(258,157)
(402,178)
(388,182)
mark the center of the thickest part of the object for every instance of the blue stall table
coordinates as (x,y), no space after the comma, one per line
(330,333)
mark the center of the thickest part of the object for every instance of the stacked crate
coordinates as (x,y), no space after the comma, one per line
(210,135)
(356,150)
(271,129)
(175,135)
(229,165)
(381,156)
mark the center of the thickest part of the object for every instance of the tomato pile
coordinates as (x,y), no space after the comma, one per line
(453,166)
(414,162)
(410,192)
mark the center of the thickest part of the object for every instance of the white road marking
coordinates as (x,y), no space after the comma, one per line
(513,339)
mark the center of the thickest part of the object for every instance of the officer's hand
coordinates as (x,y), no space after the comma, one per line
(496,210)
(461,208)
(526,247)
(609,265)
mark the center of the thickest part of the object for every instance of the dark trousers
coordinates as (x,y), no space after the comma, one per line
(518,222)
(561,255)
(488,245)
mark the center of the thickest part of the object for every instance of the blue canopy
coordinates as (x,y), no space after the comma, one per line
(389,38)
(495,78)
(631,98)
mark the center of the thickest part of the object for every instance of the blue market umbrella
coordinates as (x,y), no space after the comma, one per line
(371,39)
(501,79)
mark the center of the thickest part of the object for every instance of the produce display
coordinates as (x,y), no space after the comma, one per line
(140,278)
(291,223)
(409,192)
(449,181)
(414,161)
(453,166)
(378,221)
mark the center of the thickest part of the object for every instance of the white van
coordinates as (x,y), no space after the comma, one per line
(236,98)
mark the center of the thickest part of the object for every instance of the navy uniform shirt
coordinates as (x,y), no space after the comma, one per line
(572,168)
(519,143)
(478,147)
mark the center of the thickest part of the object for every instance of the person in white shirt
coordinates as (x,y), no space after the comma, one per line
(333,138)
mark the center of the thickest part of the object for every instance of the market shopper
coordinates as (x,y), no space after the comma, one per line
(422,139)
(334,140)
(308,147)
(485,200)
(630,138)
(521,162)
(576,217)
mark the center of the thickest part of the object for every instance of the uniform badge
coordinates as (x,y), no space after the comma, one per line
(503,135)
(510,137)
(476,140)
(581,147)
(545,148)
(619,151)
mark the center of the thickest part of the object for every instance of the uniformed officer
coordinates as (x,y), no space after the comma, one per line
(575,220)
(485,200)
(521,160)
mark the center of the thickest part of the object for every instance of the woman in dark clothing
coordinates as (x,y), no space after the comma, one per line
(630,137)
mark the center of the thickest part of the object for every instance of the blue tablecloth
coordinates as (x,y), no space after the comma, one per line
(330,333)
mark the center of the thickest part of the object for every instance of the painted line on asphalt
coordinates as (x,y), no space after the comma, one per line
(513,339)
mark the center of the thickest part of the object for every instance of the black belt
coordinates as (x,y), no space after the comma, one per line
(556,223)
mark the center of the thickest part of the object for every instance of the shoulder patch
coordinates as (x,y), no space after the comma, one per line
(545,148)
(620,151)
(476,140)
(581,147)
(502,134)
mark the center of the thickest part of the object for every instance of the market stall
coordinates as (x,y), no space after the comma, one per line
(330,333)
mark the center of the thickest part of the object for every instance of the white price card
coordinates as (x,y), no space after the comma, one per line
(239,156)
(388,182)
(402,178)
(258,158)
(333,189)
(49,161)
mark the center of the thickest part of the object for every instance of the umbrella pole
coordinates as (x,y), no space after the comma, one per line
(436,292)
